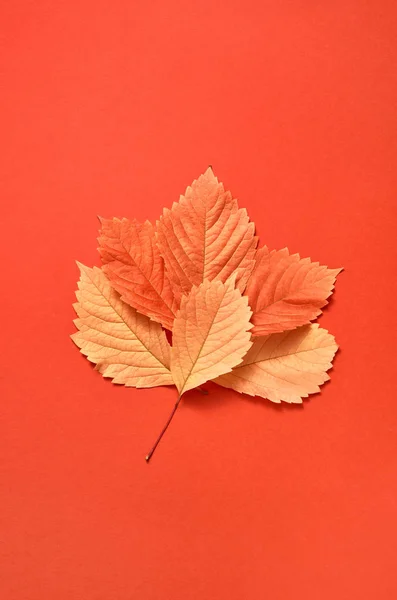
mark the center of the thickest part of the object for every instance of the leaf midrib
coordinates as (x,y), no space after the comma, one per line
(281,356)
(126,324)
(201,348)
(144,275)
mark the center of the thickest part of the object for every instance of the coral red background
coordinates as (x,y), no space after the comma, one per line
(112,108)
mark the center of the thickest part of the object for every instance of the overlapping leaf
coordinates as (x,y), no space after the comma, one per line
(135,268)
(284,366)
(210,335)
(124,345)
(188,275)
(205,236)
(285,291)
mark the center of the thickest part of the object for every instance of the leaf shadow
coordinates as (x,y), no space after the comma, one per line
(219,397)
(330,303)
(212,397)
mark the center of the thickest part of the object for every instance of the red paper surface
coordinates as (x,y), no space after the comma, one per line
(112,108)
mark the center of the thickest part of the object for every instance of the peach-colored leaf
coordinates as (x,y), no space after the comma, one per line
(210,335)
(285,291)
(135,268)
(284,366)
(124,345)
(206,236)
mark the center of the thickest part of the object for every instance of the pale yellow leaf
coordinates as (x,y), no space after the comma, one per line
(210,335)
(284,366)
(124,345)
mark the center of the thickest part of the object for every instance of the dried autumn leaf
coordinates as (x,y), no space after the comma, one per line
(284,366)
(188,275)
(124,345)
(285,291)
(134,267)
(205,236)
(210,335)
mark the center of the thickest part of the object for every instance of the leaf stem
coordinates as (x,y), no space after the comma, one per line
(150,454)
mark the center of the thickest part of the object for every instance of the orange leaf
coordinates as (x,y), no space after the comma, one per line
(285,291)
(206,236)
(210,335)
(135,268)
(124,345)
(284,366)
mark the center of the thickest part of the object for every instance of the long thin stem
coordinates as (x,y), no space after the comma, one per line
(150,454)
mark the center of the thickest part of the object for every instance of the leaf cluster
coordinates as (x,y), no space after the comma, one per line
(238,315)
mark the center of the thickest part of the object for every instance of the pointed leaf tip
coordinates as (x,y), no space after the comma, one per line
(284,367)
(211,334)
(206,236)
(124,345)
(132,262)
(286,291)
